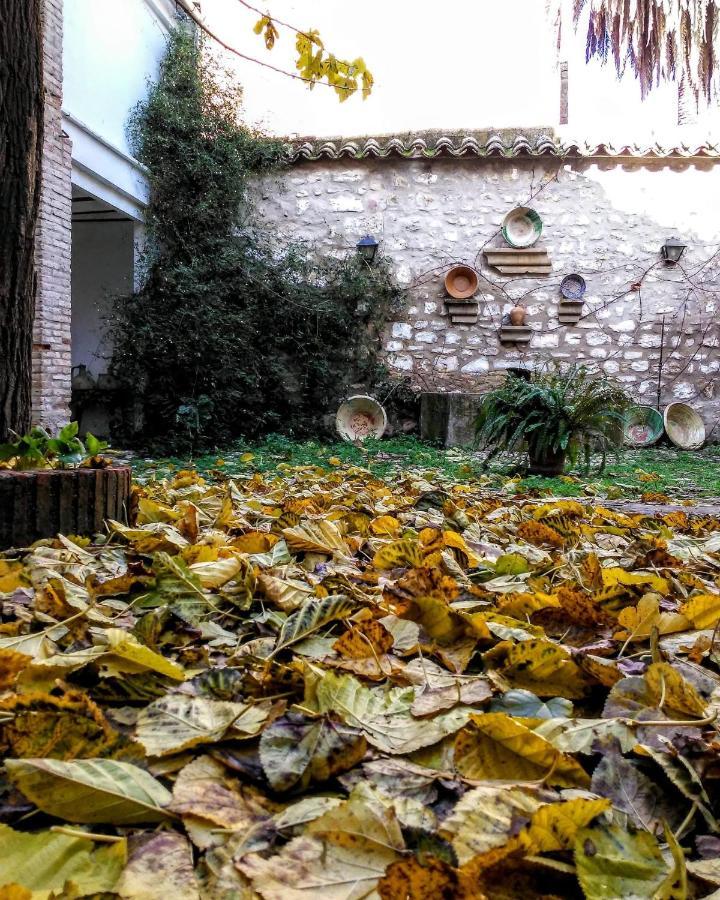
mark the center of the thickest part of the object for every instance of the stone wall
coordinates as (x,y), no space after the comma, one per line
(51,346)
(603,219)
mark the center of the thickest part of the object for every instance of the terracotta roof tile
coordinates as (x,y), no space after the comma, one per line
(502,143)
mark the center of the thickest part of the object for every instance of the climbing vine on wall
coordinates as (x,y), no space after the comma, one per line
(231,335)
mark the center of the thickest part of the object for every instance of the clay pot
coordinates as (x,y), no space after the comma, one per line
(461,282)
(548,462)
(517,315)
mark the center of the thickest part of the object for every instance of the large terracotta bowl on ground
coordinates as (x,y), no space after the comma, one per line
(461,282)
(360,417)
(684,426)
(642,426)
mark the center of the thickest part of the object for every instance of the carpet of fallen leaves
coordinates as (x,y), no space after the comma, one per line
(324,684)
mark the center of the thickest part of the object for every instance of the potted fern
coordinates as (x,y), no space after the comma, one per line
(556,415)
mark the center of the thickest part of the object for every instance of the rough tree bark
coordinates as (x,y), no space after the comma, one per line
(21,139)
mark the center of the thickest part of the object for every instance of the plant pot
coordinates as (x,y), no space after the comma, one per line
(517,315)
(40,503)
(549,463)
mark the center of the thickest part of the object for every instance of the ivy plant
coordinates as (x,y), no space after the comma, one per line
(232,334)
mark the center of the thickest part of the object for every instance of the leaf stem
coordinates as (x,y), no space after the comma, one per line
(88,835)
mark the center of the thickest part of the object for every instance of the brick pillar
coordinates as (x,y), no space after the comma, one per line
(51,340)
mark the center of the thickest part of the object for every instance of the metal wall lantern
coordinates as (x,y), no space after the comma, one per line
(672,250)
(367,248)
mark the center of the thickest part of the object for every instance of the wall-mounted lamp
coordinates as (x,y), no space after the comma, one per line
(672,250)
(367,248)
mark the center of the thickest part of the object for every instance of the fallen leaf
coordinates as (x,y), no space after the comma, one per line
(612,862)
(495,747)
(90,790)
(44,862)
(160,866)
(385,718)
(177,722)
(296,752)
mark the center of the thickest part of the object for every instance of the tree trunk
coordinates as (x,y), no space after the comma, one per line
(21,142)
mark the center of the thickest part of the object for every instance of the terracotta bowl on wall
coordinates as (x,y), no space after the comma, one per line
(461,282)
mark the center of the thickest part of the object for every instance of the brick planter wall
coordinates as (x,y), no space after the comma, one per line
(44,502)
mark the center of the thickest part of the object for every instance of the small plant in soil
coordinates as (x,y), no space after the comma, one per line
(39,449)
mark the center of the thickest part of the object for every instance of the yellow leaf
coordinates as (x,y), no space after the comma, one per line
(415,879)
(554,826)
(14,892)
(569,508)
(126,654)
(677,694)
(216,574)
(496,747)
(316,537)
(640,620)
(457,542)
(538,533)
(399,554)
(11,576)
(483,818)
(522,606)
(152,511)
(544,668)
(615,576)
(366,639)
(440,622)
(255,542)
(11,663)
(703,610)
(385,525)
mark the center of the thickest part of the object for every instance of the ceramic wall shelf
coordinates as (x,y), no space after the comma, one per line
(516,334)
(570,311)
(462,312)
(527,261)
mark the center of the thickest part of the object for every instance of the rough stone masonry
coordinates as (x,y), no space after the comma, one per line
(603,217)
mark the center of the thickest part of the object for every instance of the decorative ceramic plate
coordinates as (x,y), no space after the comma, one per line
(360,417)
(461,282)
(573,287)
(643,425)
(521,227)
(684,426)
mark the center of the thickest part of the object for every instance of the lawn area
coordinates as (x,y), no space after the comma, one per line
(679,474)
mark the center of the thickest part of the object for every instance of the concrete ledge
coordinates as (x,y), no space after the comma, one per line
(449,419)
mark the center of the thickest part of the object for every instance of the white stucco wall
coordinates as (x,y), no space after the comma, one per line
(102,267)
(110,51)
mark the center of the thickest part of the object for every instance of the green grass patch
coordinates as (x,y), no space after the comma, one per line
(679,474)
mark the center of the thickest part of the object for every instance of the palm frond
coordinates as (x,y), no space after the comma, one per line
(658,40)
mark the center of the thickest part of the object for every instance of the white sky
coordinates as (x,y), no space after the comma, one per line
(455,64)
